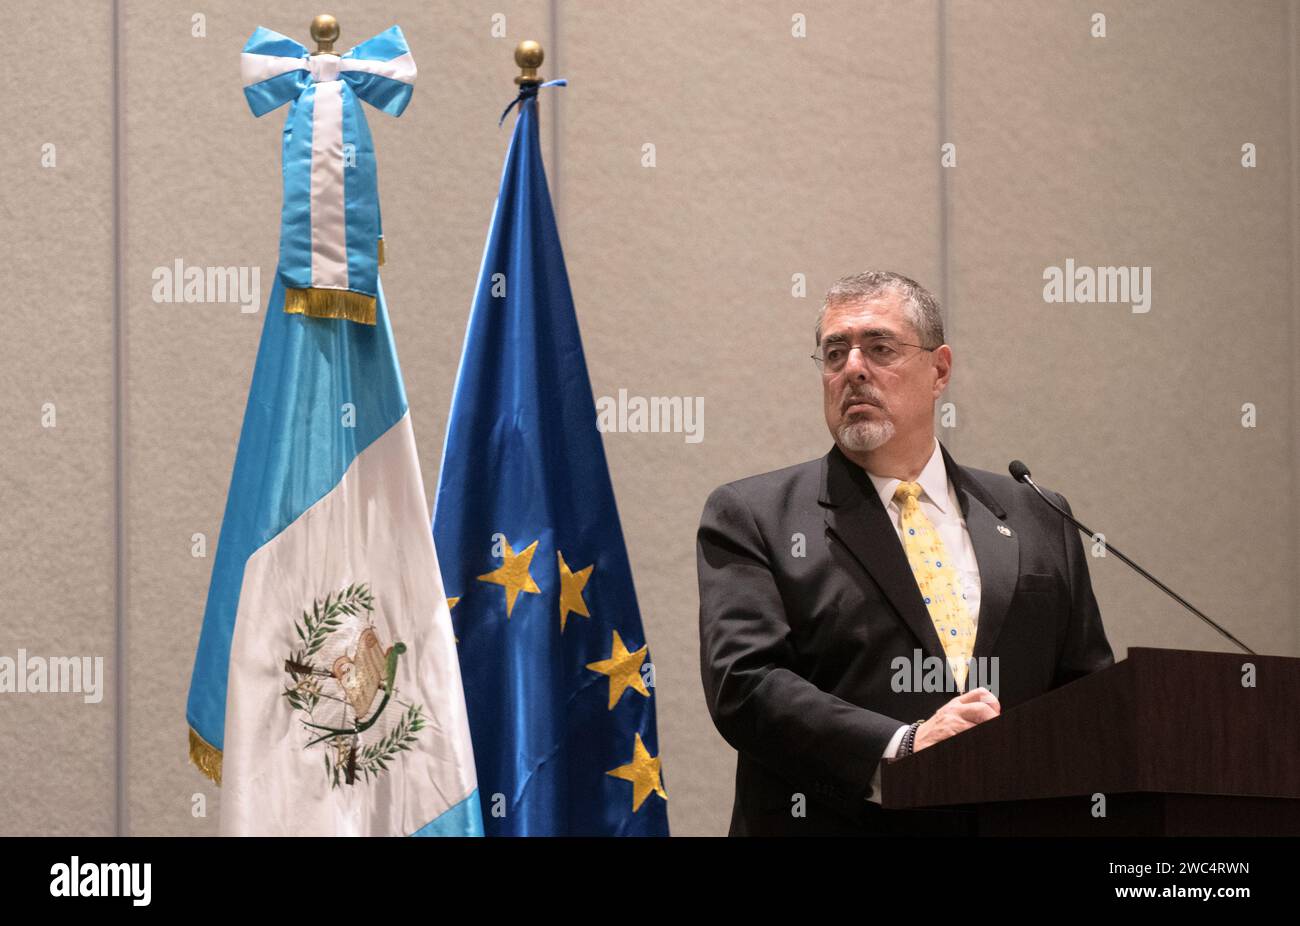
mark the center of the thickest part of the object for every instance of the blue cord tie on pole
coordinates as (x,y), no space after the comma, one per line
(527,92)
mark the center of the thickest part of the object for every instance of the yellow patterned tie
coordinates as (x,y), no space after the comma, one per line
(938,581)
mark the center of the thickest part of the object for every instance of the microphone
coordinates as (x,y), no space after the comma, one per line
(1020,473)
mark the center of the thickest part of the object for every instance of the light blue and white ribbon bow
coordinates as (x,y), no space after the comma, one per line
(330,233)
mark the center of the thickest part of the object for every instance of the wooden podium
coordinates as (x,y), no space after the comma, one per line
(1176,741)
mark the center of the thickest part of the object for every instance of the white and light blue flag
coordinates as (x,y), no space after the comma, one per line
(326,695)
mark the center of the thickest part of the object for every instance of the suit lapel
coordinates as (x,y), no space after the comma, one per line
(858,520)
(856,517)
(997,553)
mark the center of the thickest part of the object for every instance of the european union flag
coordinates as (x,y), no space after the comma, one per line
(558,679)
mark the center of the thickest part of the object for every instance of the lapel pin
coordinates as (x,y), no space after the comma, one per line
(1004,530)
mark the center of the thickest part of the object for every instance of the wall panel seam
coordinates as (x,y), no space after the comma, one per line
(119,445)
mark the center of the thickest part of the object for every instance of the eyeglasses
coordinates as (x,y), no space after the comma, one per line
(880,352)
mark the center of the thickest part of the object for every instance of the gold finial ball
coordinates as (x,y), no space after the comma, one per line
(529,54)
(324,29)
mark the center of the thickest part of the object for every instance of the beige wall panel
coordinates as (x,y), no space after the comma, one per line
(775,155)
(56,484)
(204,187)
(1126,150)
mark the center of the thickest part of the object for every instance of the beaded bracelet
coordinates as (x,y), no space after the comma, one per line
(909,739)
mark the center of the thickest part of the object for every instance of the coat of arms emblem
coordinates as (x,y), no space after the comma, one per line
(342,681)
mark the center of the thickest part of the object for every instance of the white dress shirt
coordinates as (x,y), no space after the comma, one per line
(938,501)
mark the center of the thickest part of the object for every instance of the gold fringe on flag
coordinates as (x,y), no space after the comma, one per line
(331,303)
(206,756)
(381,252)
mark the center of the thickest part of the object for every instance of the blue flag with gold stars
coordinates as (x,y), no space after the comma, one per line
(558,679)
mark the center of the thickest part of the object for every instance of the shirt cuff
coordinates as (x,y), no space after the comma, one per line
(890,752)
(892,749)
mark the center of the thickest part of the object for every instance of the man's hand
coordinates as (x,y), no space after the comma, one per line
(961,713)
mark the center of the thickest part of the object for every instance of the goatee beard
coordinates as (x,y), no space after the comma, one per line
(862,436)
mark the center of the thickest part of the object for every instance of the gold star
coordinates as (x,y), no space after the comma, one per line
(571,586)
(514,574)
(451,603)
(623,669)
(643,772)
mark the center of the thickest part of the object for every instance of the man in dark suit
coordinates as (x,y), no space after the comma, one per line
(827,589)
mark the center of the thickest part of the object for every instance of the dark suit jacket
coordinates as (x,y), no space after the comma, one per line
(796,651)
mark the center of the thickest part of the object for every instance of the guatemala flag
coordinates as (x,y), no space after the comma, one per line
(326,695)
(558,677)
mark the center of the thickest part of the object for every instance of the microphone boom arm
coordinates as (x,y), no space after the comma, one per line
(1021,474)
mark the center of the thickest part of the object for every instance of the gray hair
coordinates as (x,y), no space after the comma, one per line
(920,306)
